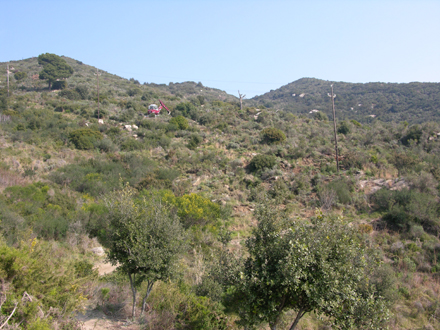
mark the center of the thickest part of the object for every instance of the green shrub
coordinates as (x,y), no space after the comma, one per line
(321,116)
(200,313)
(343,189)
(261,162)
(273,135)
(210,289)
(20,75)
(101,112)
(131,144)
(186,109)
(414,133)
(69,94)
(194,141)
(344,127)
(60,84)
(406,207)
(194,209)
(83,91)
(161,178)
(84,138)
(180,121)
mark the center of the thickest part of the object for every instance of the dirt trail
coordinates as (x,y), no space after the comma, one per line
(104,268)
(95,319)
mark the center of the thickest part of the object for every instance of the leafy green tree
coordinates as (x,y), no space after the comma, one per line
(319,267)
(54,68)
(144,238)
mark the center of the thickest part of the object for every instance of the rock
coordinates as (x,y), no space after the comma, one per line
(98,251)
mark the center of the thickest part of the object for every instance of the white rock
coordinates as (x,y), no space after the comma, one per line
(98,251)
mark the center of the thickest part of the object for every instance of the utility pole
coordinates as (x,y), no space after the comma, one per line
(241,100)
(7,75)
(334,128)
(97,74)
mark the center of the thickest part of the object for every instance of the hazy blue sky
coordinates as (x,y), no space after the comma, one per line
(251,46)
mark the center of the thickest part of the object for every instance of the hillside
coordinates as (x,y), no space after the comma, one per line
(218,172)
(412,102)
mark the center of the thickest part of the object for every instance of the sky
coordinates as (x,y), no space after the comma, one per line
(240,45)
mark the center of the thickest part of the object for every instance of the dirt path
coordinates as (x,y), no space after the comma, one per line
(96,319)
(104,268)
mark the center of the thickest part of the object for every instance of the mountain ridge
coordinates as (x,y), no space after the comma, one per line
(414,102)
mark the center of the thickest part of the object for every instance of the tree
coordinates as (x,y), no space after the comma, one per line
(144,238)
(318,267)
(54,68)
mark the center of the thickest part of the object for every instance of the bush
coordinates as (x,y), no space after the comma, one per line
(405,208)
(102,113)
(194,141)
(186,109)
(60,84)
(180,121)
(131,145)
(70,94)
(344,128)
(273,135)
(194,209)
(83,91)
(414,133)
(84,138)
(20,75)
(321,116)
(200,313)
(261,162)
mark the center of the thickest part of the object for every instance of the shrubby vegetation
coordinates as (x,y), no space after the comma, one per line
(209,167)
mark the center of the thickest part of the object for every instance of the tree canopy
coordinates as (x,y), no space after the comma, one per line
(144,238)
(319,267)
(54,68)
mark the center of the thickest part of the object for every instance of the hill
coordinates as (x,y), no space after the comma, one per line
(213,167)
(412,102)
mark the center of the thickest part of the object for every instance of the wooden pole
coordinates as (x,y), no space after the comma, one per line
(241,100)
(97,75)
(334,128)
(7,75)
(97,84)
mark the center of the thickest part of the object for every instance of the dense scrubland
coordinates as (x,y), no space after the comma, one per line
(218,218)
